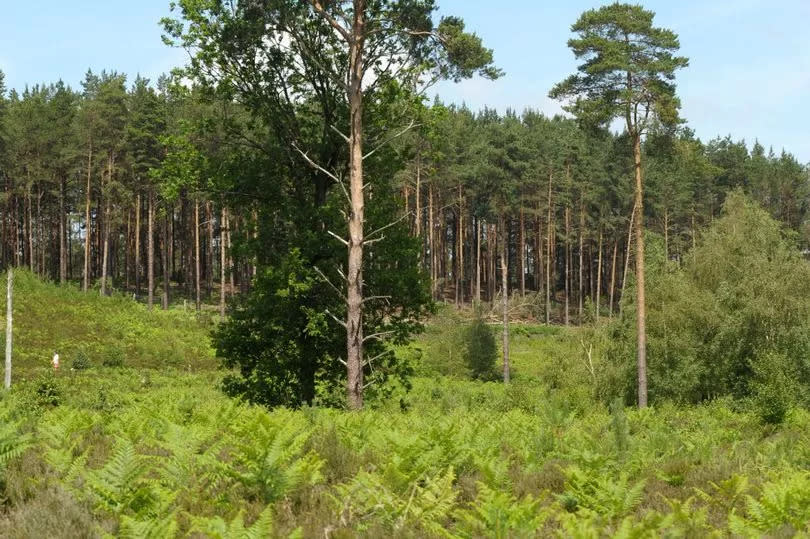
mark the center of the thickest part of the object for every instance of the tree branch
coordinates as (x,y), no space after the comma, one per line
(341,240)
(397,135)
(377,336)
(330,283)
(319,9)
(389,225)
(338,320)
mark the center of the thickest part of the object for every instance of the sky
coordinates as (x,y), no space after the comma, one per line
(749,72)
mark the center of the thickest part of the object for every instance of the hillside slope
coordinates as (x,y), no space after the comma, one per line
(51,318)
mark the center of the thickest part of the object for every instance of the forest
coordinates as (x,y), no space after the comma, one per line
(295,296)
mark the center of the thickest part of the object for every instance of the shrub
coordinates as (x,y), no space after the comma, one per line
(81,361)
(739,298)
(47,391)
(481,351)
(773,389)
(113,357)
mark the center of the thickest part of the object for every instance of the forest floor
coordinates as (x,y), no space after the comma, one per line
(140,442)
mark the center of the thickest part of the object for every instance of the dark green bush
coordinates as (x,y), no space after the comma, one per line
(113,357)
(773,389)
(81,361)
(481,351)
(47,391)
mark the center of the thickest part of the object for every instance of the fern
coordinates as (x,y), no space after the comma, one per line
(218,528)
(12,444)
(426,504)
(600,493)
(784,506)
(153,528)
(497,514)
(272,460)
(118,485)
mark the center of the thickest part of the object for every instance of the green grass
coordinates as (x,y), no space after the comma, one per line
(50,318)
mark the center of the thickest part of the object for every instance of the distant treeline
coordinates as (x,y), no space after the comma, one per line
(561,198)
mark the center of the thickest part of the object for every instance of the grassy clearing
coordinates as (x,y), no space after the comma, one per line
(50,318)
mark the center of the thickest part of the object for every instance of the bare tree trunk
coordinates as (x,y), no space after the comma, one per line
(492,248)
(567,263)
(31,257)
(222,258)
(231,266)
(62,241)
(106,248)
(167,253)
(432,244)
(613,277)
(138,244)
(460,250)
(150,250)
(505,302)
(209,251)
(197,249)
(522,254)
(478,260)
(538,254)
(354,276)
(9,324)
(419,202)
(86,273)
(581,258)
(550,223)
(641,313)
(127,251)
(599,276)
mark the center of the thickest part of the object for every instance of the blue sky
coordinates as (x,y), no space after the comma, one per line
(749,73)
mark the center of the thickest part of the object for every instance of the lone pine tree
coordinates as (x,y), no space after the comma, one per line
(628,72)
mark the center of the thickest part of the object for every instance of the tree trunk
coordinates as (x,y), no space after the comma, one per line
(419,203)
(197,250)
(505,302)
(86,273)
(613,277)
(31,257)
(581,259)
(354,276)
(460,250)
(62,240)
(478,260)
(150,250)
(167,253)
(599,276)
(641,313)
(567,264)
(9,324)
(538,254)
(138,245)
(432,244)
(209,250)
(222,258)
(522,254)
(549,222)
(106,248)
